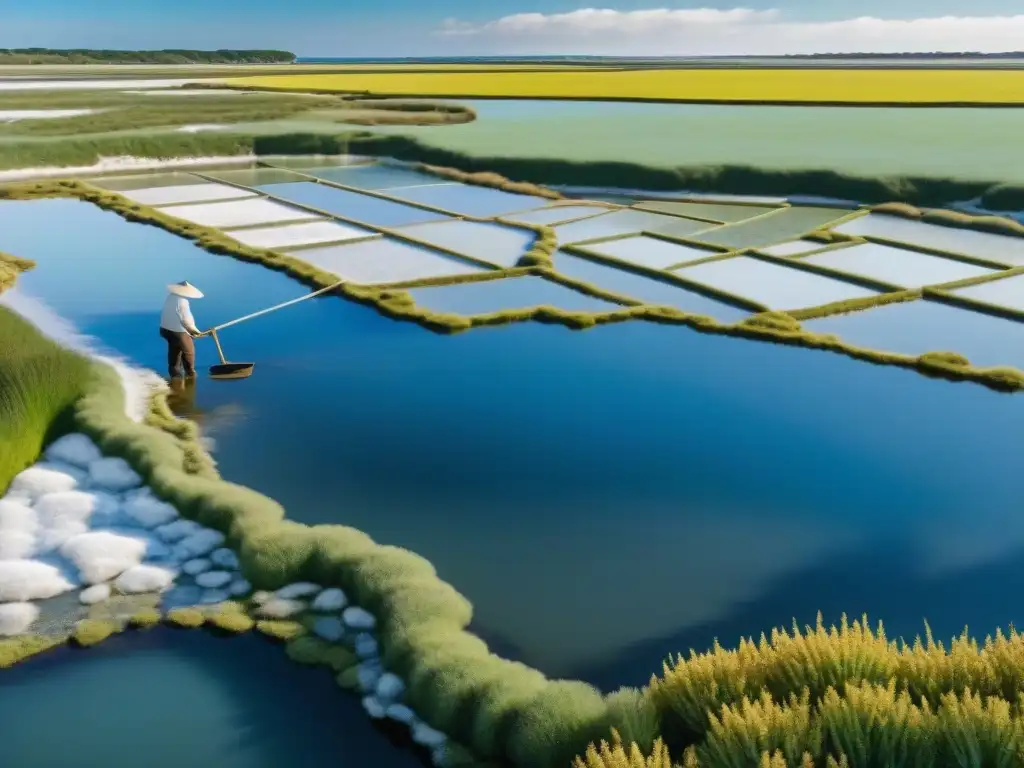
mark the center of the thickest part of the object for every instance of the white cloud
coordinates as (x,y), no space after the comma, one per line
(708,31)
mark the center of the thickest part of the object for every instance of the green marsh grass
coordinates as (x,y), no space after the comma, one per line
(89,632)
(40,383)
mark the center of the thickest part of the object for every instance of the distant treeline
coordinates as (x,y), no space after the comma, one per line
(165,56)
(919,55)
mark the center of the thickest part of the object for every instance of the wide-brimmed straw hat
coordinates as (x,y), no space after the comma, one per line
(185,289)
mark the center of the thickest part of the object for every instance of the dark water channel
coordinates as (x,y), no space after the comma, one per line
(604,497)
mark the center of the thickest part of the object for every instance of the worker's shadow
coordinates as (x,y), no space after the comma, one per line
(182,399)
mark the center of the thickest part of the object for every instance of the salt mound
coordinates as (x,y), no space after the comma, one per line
(203,542)
(15,545)
(400,713)
(197,566)
(373,707)
(390,687)
(57,510)
(101,556)
(49,539)
(149,512)
(225,559)
(178,530)
(144,578)
(329,628)
(428,737)
(46,478)
(280,608)
(22,580)
(113,474)
(16,516)
(16,618)
(77,450)
(358,618)
(95,594)
(330,600)
(298,589)
(213,579)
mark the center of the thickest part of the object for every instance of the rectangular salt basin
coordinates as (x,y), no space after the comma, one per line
(896,266)
(493,243)
(322,231)
(374,176)
(783,224)
(557,214)
(773,285)
(650,252)
(257,177)
(238,213)
(186,193)
(916,327)
(384,261)
(146,181)
(509,293)
(625,222)
(353,205)
(793,248)
(1007,292)
(998,248)
(725,213)
(645,289)
(468,199)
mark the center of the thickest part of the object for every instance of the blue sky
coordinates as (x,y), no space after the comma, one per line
(411,27)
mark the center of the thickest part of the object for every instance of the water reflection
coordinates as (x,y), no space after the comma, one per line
(603,497)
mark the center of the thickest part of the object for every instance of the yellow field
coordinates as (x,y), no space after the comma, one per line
(705,85)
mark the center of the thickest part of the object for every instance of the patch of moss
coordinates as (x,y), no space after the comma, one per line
(997,225)
(313,651)
(492,180)
(778,321)
(14,650)
(279,629)
(348,679)
(229,618)
(89,632)
(145,619)
(185,618)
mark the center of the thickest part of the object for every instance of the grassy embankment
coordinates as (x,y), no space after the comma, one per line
(707,86)
(729,179)
(116,112)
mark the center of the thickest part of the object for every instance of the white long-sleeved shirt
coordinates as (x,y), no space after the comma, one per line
(176,315)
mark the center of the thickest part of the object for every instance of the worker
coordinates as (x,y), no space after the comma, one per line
(178,328)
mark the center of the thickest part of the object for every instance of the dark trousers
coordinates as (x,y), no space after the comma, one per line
(180,350)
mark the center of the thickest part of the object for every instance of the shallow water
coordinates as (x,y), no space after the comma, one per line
(916,327)
(650,252)
(776,286)
(645,289)
(495,295)
(364,208)
(896,266)
(493,243)
(470,200)
(603,497)
(971,143)
(174,698)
